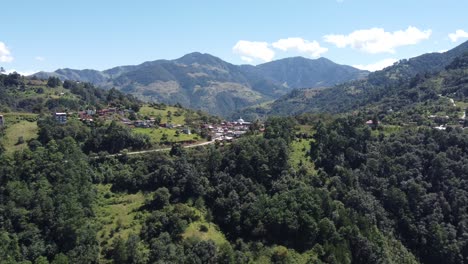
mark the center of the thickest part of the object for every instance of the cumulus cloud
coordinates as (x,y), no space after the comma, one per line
(377,40)
(247,59)
(39,58)
(376,66)
(5,55)
(312,48)
(250,50)
(459,34)
(25,73)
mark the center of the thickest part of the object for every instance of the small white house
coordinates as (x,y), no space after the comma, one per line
(2,122)
(61,118)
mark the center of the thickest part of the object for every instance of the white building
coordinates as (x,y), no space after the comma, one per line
(61,118)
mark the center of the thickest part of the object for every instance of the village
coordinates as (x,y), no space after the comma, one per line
(224,131)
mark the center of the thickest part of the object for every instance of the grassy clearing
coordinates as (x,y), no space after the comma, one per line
(156,135)
(299,154)
(117,214)
(177,114)
(213,233)
(390,129)
(306,129)
(14,131)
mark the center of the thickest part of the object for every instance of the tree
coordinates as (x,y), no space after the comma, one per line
(60,259)
(53,82)
(119,251)
(280,127)
(161,198)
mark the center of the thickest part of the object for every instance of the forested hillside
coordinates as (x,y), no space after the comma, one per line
(385,182)
(394,87)
(25,94)
(224,204)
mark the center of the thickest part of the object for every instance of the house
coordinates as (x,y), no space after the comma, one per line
(141,123)
(61,118)
(371,123)
(186,131)
(2,121)
(239,133)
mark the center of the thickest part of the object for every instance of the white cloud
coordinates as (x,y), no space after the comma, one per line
(39,58)
(459,34)
(377,40)
(250,50)
(25,73)
(312,48)
(376,66)
(5,55)
(247,59)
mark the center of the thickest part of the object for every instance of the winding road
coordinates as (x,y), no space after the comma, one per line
(163,149)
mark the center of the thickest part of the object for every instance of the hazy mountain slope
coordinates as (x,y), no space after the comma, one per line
(203,81)
(296,72)
(92,76)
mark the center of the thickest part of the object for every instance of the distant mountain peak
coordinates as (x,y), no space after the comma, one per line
(200,58)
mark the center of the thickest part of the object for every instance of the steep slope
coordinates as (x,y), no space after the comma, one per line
(202,81)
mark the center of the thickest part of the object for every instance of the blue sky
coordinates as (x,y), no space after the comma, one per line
(47,35)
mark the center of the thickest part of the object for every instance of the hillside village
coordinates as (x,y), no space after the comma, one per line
(212,131)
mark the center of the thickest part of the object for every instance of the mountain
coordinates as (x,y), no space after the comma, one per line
(393,81)
(296,72)
(91,76)
(202,81)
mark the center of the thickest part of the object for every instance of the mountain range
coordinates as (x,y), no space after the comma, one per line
(205,82)
(394,81)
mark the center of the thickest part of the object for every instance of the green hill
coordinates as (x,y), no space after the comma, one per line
(404,84)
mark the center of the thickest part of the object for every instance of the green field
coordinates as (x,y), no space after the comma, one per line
(156,135)
(174,113)
(18,125)
(117,214)
(213,233)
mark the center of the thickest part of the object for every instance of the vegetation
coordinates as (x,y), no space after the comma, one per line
(360,187)
(19,93)
(409,89)
(20,128)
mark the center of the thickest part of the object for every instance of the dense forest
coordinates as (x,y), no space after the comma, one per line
(398,198)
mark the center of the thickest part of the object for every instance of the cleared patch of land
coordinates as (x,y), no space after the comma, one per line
(117,214)
(19,129)
(159,135)
(212,232)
